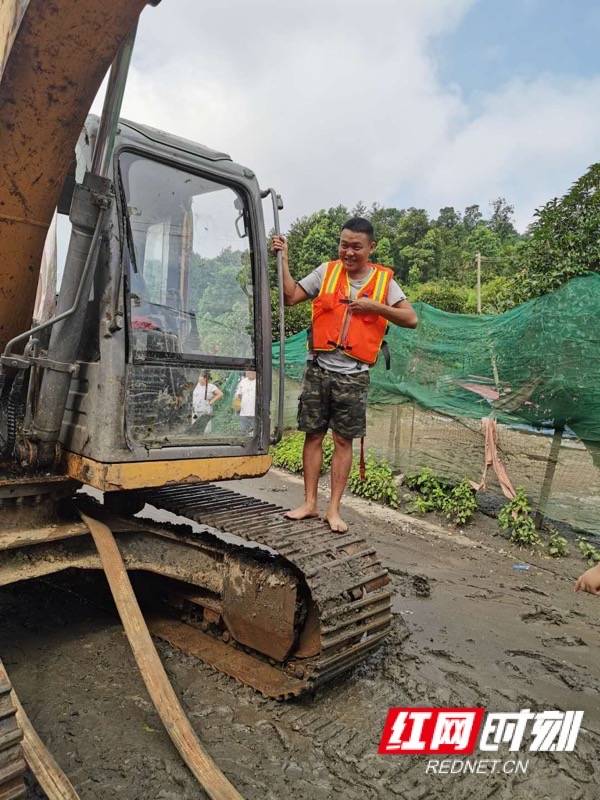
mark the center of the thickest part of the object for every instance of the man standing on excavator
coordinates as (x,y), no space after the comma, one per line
(352,302)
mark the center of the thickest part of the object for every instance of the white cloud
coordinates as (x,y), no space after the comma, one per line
(529,141)
(334,102)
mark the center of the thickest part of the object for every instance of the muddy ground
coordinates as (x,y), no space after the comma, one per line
(469,629)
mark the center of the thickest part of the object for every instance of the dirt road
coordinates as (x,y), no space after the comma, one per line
(469,630)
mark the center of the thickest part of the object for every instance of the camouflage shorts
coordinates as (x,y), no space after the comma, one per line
(333,400)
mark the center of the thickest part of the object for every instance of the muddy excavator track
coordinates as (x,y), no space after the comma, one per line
(345,578)
(12,763)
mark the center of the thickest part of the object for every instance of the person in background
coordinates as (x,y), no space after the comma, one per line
(589,581)
(205,395)
(246,395)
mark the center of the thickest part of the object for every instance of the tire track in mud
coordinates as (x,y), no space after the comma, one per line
(318,747)
(313,735)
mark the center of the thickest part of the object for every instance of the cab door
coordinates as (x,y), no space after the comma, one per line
(198,317)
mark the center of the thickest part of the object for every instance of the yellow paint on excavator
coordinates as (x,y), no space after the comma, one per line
(140,475)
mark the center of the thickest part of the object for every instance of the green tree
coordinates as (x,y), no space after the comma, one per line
(360,210)
(411,228)
(564,239)
(297,318)
(414,276)
(385,220)
(483,240)
(386,223)
(448,218)
(314,239)
(383,252)
(501,221)
(452,235)
(423,256)
(497,295)
(472,217)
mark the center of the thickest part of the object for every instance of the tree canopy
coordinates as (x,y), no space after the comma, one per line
(433,258)
(564,239)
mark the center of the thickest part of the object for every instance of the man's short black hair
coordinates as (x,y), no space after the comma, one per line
(360,225)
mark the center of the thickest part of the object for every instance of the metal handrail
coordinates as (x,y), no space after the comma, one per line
(277,207)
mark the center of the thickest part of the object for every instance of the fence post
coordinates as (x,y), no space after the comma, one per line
(478,263)
(559,429)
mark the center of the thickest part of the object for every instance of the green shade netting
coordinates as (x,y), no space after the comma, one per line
(537,364)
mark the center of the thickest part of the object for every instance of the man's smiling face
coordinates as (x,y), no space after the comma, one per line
(354,251)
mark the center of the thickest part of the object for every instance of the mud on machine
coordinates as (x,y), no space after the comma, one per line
(166,278)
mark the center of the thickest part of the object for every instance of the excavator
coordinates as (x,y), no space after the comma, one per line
(165,282)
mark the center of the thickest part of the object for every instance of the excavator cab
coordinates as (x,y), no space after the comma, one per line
(178,314)
(189,306)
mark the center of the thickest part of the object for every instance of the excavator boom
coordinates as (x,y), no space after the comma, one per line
(54,55)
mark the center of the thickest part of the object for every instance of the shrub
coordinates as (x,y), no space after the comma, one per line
(442,295)
(515,516)
(429,486)
(588,551)
(557,545)
(297,318)
(287,454)
(458,502)
(497,295)
(379,483)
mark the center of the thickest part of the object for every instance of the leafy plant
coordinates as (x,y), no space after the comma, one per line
(457,502)
(497,295)
(379,483)
(557,545)
(460,503)
(429,486)
(588,551)
(287,454)
(327,452)
(515,516)
(421,506)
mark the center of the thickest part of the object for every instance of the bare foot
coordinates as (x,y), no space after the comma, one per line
(335,522)
(305,511)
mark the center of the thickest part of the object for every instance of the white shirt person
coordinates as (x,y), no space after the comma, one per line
(205,395)
(246,393)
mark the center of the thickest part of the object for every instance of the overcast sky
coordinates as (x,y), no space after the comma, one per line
(420,103)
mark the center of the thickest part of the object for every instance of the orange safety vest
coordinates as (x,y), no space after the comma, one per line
(363,335)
